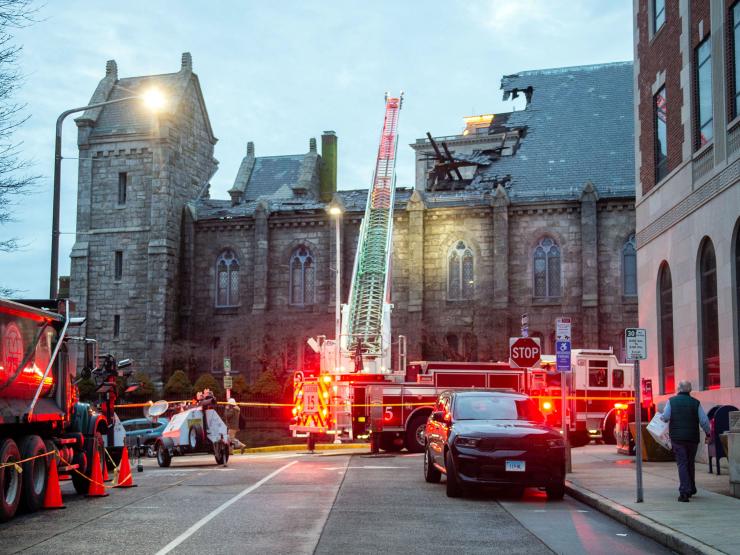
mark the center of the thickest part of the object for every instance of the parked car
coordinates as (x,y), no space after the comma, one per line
(484,438)
(147,431)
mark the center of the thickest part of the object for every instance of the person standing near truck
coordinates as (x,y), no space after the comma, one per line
(231,414)
(684,415)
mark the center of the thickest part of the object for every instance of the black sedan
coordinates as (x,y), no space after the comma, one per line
(492,438)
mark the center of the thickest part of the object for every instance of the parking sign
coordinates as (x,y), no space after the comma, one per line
(635,342)
(562,356)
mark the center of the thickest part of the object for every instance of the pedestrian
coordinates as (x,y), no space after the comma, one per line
(231,414)
(684,415)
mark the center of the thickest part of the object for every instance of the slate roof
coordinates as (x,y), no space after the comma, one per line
(579,127)
(273,176)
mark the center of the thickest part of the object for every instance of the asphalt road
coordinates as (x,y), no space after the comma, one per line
(297,503)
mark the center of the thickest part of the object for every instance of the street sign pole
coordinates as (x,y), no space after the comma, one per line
(562,361)
(638,431)
(635,342)
(564,411)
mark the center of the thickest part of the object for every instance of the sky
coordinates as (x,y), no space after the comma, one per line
(278,73)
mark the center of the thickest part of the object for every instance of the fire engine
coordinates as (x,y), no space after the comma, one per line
(39,407)
(357,392)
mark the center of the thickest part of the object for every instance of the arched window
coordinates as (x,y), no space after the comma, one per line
(460,272)
(629,267)
(709,325)
(665,321)
(302,277)
(227,279)
(547,269)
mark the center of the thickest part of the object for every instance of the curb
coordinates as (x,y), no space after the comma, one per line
(302,446)
(670,538)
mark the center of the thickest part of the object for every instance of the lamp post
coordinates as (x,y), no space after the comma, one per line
(336,210)
(153,99)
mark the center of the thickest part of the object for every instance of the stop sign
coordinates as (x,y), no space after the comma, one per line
(524,352)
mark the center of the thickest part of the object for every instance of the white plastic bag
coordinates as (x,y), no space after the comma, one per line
(659,430)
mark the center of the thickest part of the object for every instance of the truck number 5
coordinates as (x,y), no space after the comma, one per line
(388,414)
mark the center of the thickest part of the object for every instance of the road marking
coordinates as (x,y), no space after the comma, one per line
(622,535)
(210,516)
(363,467)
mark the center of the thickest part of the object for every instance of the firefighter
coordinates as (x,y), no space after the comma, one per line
(231,415)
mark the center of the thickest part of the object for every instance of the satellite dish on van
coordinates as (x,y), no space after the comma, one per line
(156,409)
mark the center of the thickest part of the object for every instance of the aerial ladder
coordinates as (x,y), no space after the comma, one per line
(365,343)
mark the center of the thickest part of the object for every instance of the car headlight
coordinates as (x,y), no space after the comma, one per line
(463,441)
(556,442)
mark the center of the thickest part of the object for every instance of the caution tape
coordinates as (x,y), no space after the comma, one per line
(17,464)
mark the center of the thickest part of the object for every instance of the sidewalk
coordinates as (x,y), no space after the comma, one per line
(710,523)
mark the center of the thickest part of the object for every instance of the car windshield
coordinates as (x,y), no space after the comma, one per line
(479,407)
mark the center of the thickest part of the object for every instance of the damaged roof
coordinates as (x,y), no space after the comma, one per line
(273,176)
(578,127)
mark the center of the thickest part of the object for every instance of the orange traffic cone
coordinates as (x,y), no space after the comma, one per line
(53,495)
(96,480)
(125,478)
(106,478)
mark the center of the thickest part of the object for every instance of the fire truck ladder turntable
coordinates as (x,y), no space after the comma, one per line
(367,329)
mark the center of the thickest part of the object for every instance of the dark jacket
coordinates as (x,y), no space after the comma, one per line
(684,422)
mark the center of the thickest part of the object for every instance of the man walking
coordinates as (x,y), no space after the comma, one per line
(231,415)
(684,415)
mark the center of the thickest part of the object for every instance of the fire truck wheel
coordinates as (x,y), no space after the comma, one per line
(454,487)
(431,472)
(415,433)
(164,459)
(607,434)
(10,480)
(35,473)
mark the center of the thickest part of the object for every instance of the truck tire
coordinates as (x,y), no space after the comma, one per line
(607,433)
(35,473)
(82,483)
(10,480)
(164,459)
(79,481)
(415,433)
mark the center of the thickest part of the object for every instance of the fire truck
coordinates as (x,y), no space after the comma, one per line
(39,407)
(357,393)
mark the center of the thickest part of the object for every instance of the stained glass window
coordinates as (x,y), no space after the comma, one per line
(460,272)
(302,277)
(227,279)
(547,269)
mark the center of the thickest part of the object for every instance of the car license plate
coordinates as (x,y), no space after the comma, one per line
(515,466)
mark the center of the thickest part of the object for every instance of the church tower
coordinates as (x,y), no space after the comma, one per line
(137,169)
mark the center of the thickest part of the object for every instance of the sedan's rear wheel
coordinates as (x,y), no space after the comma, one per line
(454,488)
(431,472)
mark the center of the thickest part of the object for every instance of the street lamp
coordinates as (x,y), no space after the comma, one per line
(335,209)
(153,99)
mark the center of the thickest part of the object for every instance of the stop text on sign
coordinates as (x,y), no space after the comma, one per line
(524,352)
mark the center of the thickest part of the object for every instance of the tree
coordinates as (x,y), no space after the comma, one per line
(208,381)
(178,387)
(240,389)
(267,387)
(14,14)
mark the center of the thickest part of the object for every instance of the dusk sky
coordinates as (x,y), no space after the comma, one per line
(280,73)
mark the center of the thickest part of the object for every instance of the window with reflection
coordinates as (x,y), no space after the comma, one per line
(735,59)
(709,327)
(665,320)
(660,109)
(227,279)
(705,130)
(629,267)
(658,14)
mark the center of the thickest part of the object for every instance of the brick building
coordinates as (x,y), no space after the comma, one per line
(687,147)
(540,220)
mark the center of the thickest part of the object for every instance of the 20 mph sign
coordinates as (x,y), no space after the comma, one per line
(524,352)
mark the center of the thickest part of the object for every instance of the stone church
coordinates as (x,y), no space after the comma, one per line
(528,212)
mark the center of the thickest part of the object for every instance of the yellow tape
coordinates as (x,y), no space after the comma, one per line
(17,464)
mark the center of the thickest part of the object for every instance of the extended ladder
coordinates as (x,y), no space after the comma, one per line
(367,329)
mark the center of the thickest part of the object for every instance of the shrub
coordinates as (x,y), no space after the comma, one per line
(178,387)
(208,381)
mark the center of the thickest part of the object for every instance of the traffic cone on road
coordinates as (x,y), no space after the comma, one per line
(125,478)
(96,479)
(53,495)
(106,478)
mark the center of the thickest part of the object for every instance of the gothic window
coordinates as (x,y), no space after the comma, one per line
(547,269)
(665,321)
(629,267)
(460,272)
(227,279)
(709,325)
(302,277)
